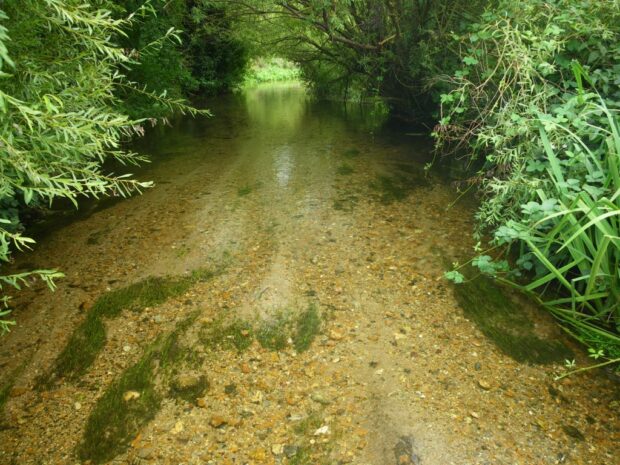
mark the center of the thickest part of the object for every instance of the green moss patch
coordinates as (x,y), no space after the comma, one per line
(236,335)
(506,323)
(243,191)
(90,337)
(114,422)
(344,170)
(309,425)
(273,335)
(351,153)
(308,325)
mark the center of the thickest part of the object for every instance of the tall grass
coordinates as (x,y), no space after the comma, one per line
(579,244)
(568,234)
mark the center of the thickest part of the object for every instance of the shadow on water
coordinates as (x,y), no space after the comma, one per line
(507,323)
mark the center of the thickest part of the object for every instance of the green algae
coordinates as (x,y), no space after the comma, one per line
(351,153)
(90,337)
(236,335)
(308,325)
(300,327)
(506,323)
(273,335)
(114,421)
(245,190)
(345,170)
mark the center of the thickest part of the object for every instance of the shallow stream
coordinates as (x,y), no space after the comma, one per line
(277,297)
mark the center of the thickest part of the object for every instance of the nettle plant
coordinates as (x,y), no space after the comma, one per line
(61,72)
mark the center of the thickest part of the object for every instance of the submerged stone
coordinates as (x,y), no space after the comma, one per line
(189,386)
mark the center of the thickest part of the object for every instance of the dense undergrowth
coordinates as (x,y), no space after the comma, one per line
(534,105)
(274,69)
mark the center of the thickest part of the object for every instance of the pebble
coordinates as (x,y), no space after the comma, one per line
(322,430)
(217,421)
(18,391)
(257,398)
(484,384)
(145,452)
(186,381)
(131,395)
(178,427)
(290,450)
(319,398)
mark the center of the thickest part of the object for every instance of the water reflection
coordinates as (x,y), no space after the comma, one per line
(284,162)
(275,106)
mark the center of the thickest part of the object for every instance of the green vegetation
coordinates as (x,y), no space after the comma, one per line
(351,153)
(67,84)
(90,337)
(527,91)
(345,170)
(236,335)
(307,326)
(262,70)
(205,59)
(115,421)
(301,328)
(309,425)
(245,190)
(534,104)
(273,335)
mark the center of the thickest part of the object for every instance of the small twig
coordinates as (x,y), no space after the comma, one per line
(591,367)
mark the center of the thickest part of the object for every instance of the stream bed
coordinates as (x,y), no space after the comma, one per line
(277,298)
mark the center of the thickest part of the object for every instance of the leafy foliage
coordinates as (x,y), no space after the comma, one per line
(205,58)
(356,49)
(534,104)
(62,72)
(270,70)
